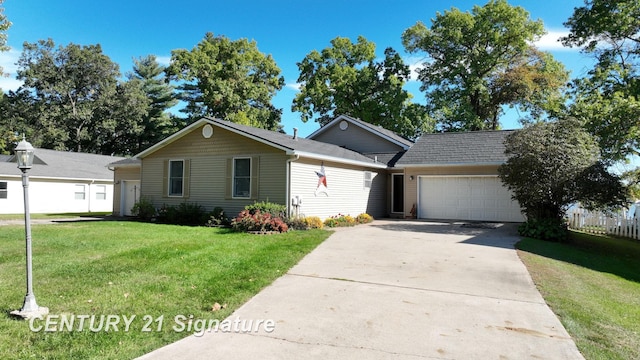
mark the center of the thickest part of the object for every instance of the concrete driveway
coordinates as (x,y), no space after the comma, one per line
(396,290)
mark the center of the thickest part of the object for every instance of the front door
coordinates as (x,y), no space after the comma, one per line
(131,192)
(397,193)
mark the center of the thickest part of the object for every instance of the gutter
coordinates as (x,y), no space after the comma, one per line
(401,166)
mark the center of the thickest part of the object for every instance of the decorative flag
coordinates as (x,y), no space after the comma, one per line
(322,180)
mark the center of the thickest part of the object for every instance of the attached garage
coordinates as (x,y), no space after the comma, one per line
(474,198)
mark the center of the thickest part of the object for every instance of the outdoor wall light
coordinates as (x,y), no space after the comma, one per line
(411,177)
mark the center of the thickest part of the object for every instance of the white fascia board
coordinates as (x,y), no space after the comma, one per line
(309,155)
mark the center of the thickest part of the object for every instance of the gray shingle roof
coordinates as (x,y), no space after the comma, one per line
(457,148)
(126,162)
(63,164)
(296,145)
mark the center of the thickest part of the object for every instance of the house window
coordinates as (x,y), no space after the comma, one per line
(101,192)
(3,189)
(79,192)
(242,177)
(367,179)
(176,177)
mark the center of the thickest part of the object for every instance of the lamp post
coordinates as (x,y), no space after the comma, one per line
(24,153)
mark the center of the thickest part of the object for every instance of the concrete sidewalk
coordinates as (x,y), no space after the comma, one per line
(397,290)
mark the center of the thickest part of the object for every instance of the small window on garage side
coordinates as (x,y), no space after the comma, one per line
(3,190)
(101,192)
(79,192)
(242,177)
(368,177)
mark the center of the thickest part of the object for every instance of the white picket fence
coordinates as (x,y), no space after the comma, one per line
(620,223)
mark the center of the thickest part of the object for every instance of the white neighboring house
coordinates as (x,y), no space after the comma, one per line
(59,182)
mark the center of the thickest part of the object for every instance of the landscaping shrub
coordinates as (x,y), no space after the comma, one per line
(275,210)
(297,223)
(313,222)
(545,229)
(347,220)
(183,214)
(364,218)
(331,222)
(258,221)
(218,218)
(144,209)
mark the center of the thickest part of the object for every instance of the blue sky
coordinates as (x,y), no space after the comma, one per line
(288,30)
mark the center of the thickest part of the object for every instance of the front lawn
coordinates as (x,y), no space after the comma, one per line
(593,284)
(53,216)
(129,268)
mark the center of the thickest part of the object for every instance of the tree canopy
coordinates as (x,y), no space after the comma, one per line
(70,83)
(553,165)
(345,78)
(479,61)
(608,98)
(157,123)
(229,79)
(5,24)
(72,99)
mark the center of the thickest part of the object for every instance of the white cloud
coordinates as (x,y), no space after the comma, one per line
(294,86)
(163,60)
(8,61)
(551,41)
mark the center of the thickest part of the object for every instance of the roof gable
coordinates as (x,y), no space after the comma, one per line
(287,143)
(457,148)
(377,131)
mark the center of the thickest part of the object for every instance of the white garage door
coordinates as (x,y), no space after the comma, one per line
(481,198)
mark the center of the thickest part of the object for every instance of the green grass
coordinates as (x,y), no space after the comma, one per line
(52,216)
(129,268)
(593,284)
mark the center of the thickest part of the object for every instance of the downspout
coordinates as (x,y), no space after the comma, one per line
(89,195)
(288,186)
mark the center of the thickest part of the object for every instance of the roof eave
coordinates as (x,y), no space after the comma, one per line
(431,165)
(315,156)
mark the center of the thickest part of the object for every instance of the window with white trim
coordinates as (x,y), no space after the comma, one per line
(242,177)
(79,192)
(176,177)
(368,179)
(3,190)
(101,192)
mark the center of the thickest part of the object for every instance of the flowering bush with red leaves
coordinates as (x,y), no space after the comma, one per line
(258,222)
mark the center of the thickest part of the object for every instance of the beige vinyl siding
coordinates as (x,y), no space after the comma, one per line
(119,175)
(411,186)
(357,139)
(346,191)
(208,170)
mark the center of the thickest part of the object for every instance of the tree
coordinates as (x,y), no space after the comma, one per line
(553,165)
(5,24)
(157,123)
(70,83)
(479,62)
(228,79)
(608,98)
(345,79)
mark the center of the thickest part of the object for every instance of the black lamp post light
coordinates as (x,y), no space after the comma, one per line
(30,309)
